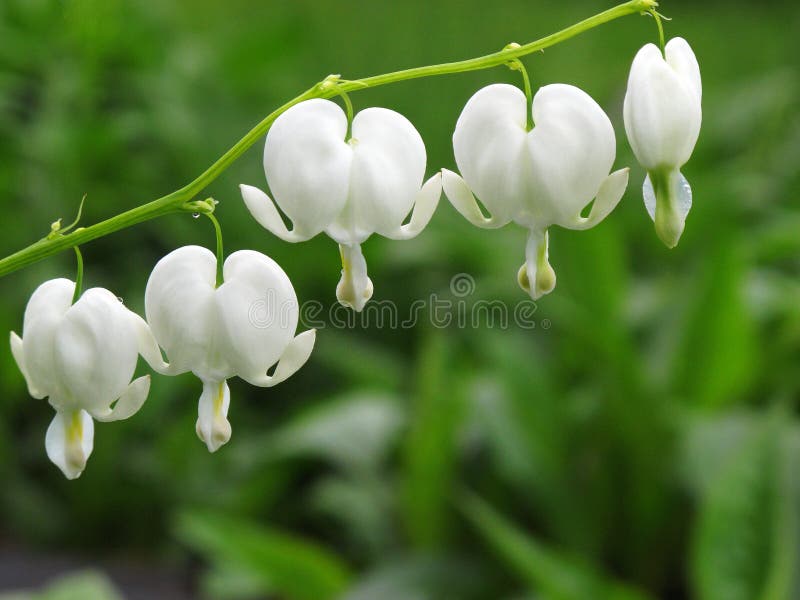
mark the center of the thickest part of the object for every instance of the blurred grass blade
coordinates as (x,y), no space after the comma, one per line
(747,537)
(710,444)
(363,507)
(282,563)
(431,444)
(555,575)
(355,431)
(715,362)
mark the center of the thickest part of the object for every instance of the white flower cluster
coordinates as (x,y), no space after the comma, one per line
(82,356)
(538,165)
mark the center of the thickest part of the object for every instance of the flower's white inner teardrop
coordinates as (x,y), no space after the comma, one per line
(213,427)
(355,287)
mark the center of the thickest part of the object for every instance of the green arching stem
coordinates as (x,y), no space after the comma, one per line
(177,201)
(528,94)
(79,276)
(660,26)
(517,65)
(348,105)
(220,253)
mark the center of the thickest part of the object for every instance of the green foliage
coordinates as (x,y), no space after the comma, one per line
(431,445)
(78,586)
(626,447)
(747,539)
(274,561)
(559,577)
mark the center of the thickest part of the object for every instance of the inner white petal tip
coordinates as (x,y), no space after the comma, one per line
(213,427)
(355,287)
(69,441)
(215,436)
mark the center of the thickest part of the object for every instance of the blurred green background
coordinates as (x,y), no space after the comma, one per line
(640,442)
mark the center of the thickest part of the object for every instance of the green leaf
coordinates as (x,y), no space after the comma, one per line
(355,432)
(746,542)
(431,445)
(714,363)
(710,443)
(554,574)
(363,507)
(280,562)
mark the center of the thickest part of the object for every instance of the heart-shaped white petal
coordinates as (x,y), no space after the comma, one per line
(570,151)
(489,142)
(94,352)
(307,164)
(662,109)
(180,309)
(43,314)
(540,177)
(258,313)
(387,171)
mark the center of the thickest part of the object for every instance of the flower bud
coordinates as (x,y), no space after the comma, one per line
(662,115)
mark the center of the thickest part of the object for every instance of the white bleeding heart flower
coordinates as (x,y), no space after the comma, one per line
(539,177)
(242,327)
(82,357)
(348,188)
(662,119)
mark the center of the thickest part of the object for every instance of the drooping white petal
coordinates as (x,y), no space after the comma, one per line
(681,58)
(488,143)
(662,110)
(129,403)
(180,308)
(69,441)
(257,310)
(460,196)
(43,315)
(307,164)
(18,352)
(294,357)
(608,196)
(355,287)
(94,352)
(387,170)
(570,151)
(212,426)
(148,346)
(424,206)
(264,211)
